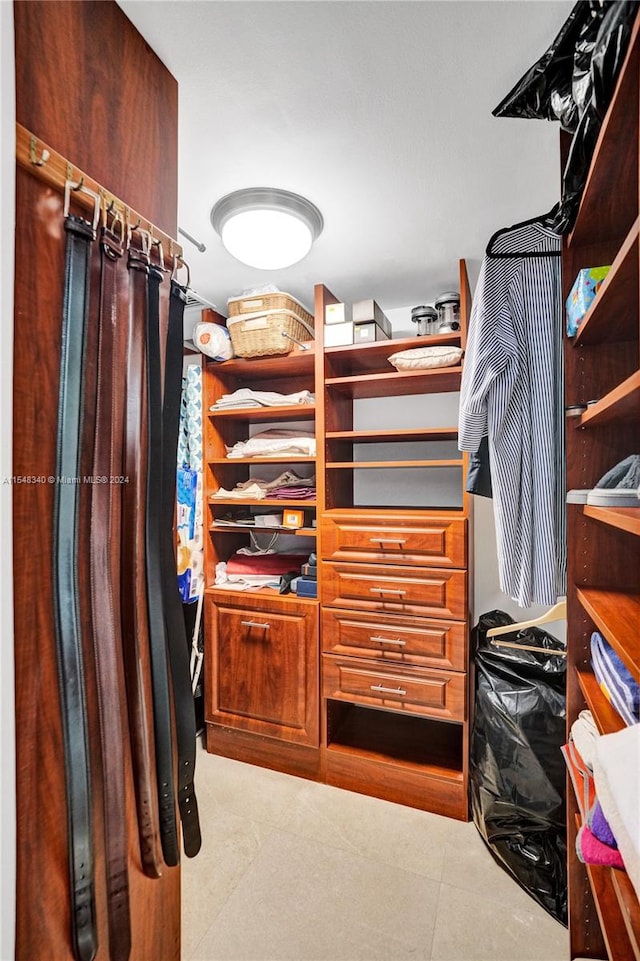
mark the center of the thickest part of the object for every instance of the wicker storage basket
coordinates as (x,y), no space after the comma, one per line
(258,303)
(267,332)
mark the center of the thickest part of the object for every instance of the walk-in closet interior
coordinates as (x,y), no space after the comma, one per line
(320,483)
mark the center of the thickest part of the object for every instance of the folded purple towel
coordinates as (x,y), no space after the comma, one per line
(592,851)
(599,826)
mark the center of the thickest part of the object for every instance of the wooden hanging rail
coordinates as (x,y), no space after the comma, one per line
(55,170)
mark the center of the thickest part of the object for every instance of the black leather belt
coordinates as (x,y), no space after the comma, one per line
(135,625)
(80,234)
(106,486)
(185,720)
(155,607)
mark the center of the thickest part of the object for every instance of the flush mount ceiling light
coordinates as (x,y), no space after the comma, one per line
(265,227)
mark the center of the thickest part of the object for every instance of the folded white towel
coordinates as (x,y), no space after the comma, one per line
(616,770)
(585,734)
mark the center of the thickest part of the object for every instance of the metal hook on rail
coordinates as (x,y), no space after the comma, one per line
(44,156)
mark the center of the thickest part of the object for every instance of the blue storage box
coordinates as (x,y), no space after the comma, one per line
(306,587)
(582,294)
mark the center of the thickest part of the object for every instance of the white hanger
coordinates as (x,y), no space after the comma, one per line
(556,613)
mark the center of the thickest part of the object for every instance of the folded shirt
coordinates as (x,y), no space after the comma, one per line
(246,397)
(599,826)
(615,680)
(592,851)
(265,564)
(287,479)
(252,492)
(276,442)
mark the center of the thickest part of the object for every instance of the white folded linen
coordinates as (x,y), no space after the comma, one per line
(247,397)
(275,442)
(616,771)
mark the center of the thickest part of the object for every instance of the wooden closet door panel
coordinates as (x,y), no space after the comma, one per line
(88,85)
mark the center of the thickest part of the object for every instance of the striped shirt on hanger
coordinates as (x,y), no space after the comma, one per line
(512,392)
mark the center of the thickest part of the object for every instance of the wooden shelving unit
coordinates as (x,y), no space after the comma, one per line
(603,363)
(393,583)
(261,647)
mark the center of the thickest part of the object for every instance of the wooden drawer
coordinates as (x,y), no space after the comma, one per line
(417,691)
(400,590)
(373,538)
(392,637)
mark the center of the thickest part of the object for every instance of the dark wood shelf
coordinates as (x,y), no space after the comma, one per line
(606,717)
(364,464)
(403,435)
(222,595)
(430,381)
(243,528)
(621,405)
(374,357)
(629,908)
(612,922)
(286,412)
(605,211)
(265,501)
(267,368)
(613,315)
(400,739)
(285,459)
(617,616)
(624,518)
(602,361)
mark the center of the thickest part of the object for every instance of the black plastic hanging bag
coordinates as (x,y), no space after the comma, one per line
(517,772)
(545,91)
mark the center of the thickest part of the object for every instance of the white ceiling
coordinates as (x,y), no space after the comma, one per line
(378,111)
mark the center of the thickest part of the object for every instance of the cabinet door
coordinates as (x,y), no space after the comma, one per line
(263,675)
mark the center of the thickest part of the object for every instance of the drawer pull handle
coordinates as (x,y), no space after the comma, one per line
(255,624)
(386,590)
(387,690)
(389,640)
(387,540)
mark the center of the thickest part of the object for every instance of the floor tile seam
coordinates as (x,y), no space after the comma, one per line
(229,895)
(353,851)
(436,911)
(531,907)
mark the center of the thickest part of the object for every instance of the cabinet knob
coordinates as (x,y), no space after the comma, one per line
(379,689)
(255,624)
(389,640)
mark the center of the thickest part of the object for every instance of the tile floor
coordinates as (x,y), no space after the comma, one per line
(291,870)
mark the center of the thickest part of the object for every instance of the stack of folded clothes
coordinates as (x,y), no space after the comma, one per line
(287,486)
(245,397)
(245,571)
(615,680)
(595,841)
(276,442)
(616,772)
